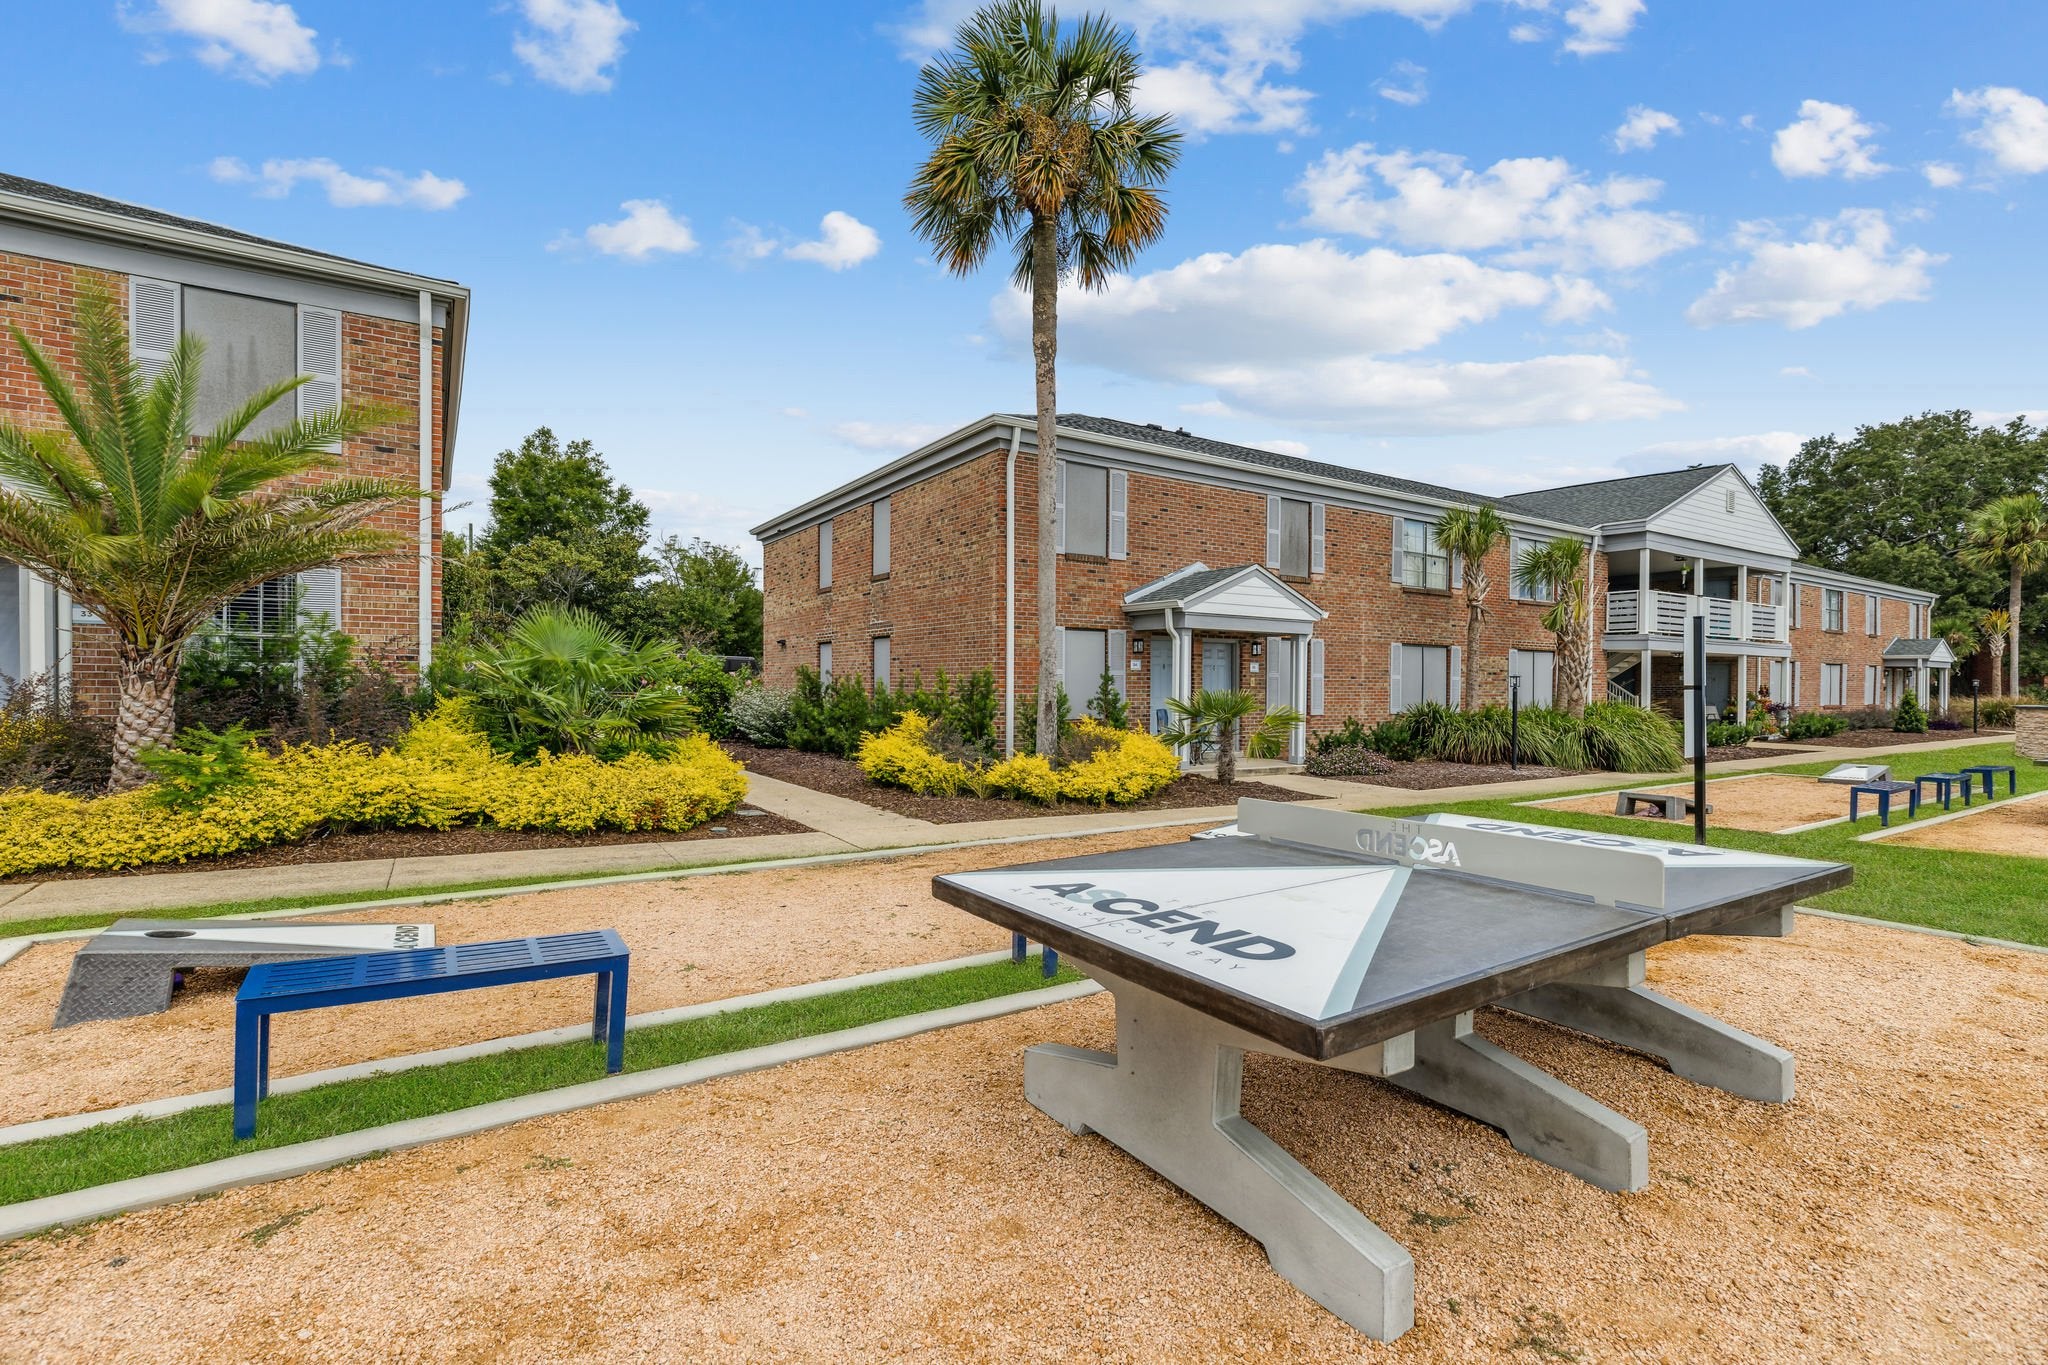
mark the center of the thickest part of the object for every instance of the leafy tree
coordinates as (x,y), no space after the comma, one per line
(706,596)
(2010,533)
(1108,703)
(1557,570)
(1472,532)
(152,526)
(1212,718)
(1035,141)
(547,489)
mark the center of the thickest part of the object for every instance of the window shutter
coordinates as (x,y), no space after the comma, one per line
(1274,644)
(1397,551)
(881,535)
(1457,676)
(1869,690)
(1394,701)
(320,595)
(319,358)
(1457,570)
(880,661)
(1059,510)
(1114,653)
(1272,530)
(155,317)
(1315,537)
(824,554)
(1315,676)
(1119,513)
(1795,682)
(1797,615)
(1869,615)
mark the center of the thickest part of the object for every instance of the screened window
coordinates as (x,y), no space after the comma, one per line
(881,660)
(1294,538)
(825,660)
(259,613)
(1087,511)
(881,564)
(1531,592)
(1831,684)
(824,554)
(1831,609)
(1424,563)
(1425,674)
(1084,655)
(1537,668)
(250,344)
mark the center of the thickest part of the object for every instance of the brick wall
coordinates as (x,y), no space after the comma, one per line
(380,366)
(1813,645)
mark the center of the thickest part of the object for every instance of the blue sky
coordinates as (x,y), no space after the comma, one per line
(1495,243)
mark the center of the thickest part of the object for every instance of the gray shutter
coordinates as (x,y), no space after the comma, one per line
(155,317)
(1119,513)
(1274,644)
(320,359)
(1396,521)
(1869,690)
(824,554)
(1797,597)
(879,660)
(1457,683)
(1272,530)
(881,536)
(1869,615)
(1457,570)
(1315,676)
(1796,680)
(1394,701)
(1113,659)
(1059,510)
(1315,537)
(320,595)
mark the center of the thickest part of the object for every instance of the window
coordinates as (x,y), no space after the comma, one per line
(825,661)
(1086,511)
(1537,668)
(880,673)
(1423,563)
(1831,609)
(881,537)
(1084,654)
(1532,592)
(1424,675)
(824,555)
(1831,684)
(1294,538)
(258,613)
(250,344)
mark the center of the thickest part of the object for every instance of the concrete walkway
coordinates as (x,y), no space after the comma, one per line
(838,825)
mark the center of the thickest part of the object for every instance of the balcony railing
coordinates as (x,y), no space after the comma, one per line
(1665,614)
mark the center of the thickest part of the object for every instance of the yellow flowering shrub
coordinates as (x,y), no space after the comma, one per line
(440,775)
(1126,766)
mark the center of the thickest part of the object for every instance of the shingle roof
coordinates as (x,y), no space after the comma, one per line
(1179,587)
(1612,500)
(79,199)
(1904,648)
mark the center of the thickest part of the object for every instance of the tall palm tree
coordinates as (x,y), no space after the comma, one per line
(1557,570)
(152,526)
(2010,533)
(1472,532)
(1994,624)
(1035,142)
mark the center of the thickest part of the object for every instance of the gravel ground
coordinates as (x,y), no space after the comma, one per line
(905,1203)
(693,939)
(2020,829)
(1767,802)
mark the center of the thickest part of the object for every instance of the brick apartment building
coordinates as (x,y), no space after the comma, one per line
(1189,563)
(267,311)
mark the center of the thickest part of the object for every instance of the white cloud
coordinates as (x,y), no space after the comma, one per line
(1576,300)
(1796,372)
(1233,98)
(1941,175)
(843,241)
(900,437)
(698,516)
(1300,333)
(1750,453)
(1826,139)
(648,230)
(572,42)
(381,188)
(1641,129)
(2012,127)
(1406,84)
(258,40)
(1528,33)
(1538,209)
(1848,262)
(1600,25)
(2033,417)
(1298,449)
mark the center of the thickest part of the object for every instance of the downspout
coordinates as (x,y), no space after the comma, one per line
(1592,563)
(427,546)
(1010,595)
(1179,658)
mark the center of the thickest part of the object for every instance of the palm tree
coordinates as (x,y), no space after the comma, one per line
(1472,532)
(152,527)
(1557,570)
(1214,717)
(2010,533)
(566,681)
(1034,141)
(1994,624)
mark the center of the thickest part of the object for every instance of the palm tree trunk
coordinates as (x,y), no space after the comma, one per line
(146,717)
(1226,753)
(2012,644)
(1474,609)
(1045,292)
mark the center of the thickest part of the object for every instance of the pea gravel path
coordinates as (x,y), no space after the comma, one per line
(904,1203)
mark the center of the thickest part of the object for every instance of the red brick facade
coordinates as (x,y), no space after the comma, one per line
(1854,646)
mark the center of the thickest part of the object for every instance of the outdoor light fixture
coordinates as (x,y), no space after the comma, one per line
(1258,648)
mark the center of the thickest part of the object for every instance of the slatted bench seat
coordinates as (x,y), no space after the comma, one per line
(1666,805)
(288,987)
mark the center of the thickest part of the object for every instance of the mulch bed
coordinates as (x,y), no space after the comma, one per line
(1428,774)
(428,843)
(1868,739)
(1728,753)
(843,777)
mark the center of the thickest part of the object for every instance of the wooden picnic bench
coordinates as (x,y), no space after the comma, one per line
(1667,805)
(289,987)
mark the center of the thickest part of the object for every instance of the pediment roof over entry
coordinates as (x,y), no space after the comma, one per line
(1247,597)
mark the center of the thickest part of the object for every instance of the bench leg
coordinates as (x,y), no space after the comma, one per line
(600,1008)
(1050,963)
(614,983)
(1017,950)
(248,1062)
(263,1058)
(1698,1047)
(1884,811)
(1852,807)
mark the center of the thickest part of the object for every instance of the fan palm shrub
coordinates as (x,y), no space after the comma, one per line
(1995,625)
(2010,533)
(1557,570)
(1214,717)
(1472,532)
(565,681)
(151,525)
(1035,141)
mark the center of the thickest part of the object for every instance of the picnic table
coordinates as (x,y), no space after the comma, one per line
(1366,944)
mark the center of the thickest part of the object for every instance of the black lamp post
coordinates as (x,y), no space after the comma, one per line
(1973,705)
(1514,722)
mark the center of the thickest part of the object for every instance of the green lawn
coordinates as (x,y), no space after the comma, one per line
(1970,893)
(98,1156)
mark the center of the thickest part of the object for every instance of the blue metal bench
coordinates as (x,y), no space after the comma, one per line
(287,987)
(1944,786)
(1884,792)
(1049,965)
(1989,772)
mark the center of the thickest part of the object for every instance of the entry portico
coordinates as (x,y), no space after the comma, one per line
(1239,622)
(1917,665)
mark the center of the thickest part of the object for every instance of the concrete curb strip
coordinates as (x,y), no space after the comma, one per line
(280,1163)
(36,1129)
(1974,940)
(1965,813)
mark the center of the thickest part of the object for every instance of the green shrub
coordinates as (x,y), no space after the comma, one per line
(711,689)
(1395,739)
(1108,703)
(1630,739)
(1997,712)
(847,709)
(1727,736)
(760,714)
(1814,725)
(48,742)
(200,765)
(1352,734)
(1027,718)
(806,726)
(974,710)
(1909,719)
(1345,760)
(566,682)
(1866,718)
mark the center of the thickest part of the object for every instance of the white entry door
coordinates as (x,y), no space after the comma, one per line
(1219,672)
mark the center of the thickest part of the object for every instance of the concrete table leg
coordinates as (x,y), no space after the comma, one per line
(1698,1047)
(1541,1115)
(1169,1097)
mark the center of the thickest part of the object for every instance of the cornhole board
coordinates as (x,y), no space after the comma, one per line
(1365,944)
(1855,774)
(128,970)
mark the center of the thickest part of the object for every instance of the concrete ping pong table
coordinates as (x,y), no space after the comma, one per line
(1366,944)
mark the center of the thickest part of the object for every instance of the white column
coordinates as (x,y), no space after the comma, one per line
(1299,744)
(1944,687)
(1920,684)
(1643,574)
(1644,699)
(38,625)
(1741,704)
(1742,609)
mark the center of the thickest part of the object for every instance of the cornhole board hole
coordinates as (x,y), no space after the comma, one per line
(127,970)
(1853,774)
